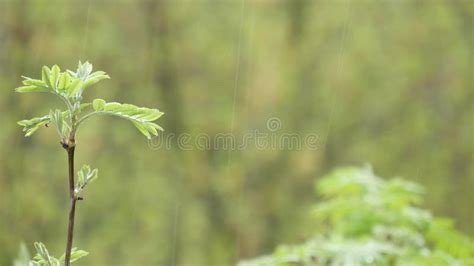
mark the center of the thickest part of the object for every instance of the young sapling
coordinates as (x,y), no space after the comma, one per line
(69,86)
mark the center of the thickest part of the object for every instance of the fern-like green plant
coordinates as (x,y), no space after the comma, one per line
(366,220)
(69,86)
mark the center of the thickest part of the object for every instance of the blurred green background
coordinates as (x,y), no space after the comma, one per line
(385,82)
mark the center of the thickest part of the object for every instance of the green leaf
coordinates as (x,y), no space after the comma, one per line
(31,88)
(44,258)
(78,254)
(33,85)
(56,118)
(60,120)
(75,86)
(85,176)
(81,179)
(43,254)
(31,125)
(92,176)
(98,104)
(141,117)
(142,129)
(34,82)
(84,73)
(45,73)
(64,81)
(75,255)
(54,76)
(83,70)
(94,78)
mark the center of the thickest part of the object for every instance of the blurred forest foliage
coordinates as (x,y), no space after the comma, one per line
(364,220)
(386,82)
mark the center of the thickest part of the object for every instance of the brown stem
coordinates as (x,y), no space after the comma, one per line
(72,210)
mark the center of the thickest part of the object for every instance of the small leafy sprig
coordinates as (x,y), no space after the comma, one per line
(43,258)
(84,177)
(69,86)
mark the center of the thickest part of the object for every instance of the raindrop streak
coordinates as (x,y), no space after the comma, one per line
(229,158)
(338,70)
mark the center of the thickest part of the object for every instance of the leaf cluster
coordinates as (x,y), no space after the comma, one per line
(43,257)
(69,86)
(85,176)
(366,220)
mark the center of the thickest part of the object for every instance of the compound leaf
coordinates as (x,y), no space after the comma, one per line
(141,117)
(94,78)
(76,254)
(33,85)
(31,125)
(85,176)
(43,257)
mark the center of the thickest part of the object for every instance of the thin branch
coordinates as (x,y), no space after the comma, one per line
(72,210)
